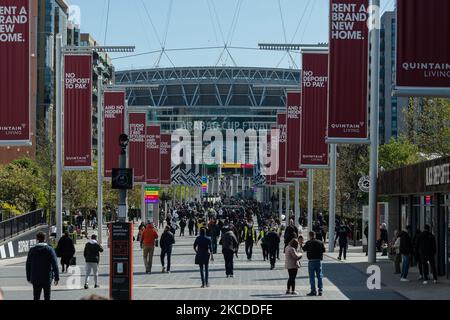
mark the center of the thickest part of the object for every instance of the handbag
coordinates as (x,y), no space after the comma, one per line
(73,261)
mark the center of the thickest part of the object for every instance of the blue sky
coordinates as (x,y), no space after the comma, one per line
(206,23)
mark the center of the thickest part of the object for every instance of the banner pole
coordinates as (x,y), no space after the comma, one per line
(59,137)
(288,203)
(310,198)
(374,130)
(297,202)
(332,203)
(143,204)
(100,157)
(280,202)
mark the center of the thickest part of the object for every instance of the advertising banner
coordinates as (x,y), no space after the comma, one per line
(314,149)
(15,93)
(293,137)
(423,49)
(348,72)
(153,158)
(136,148)
(77,112)
(166,158)
(114,126)
(281,125)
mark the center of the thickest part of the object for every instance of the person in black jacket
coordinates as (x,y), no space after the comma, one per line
(427,250)
(191,226)
(66,250)
(230,246)
(415,242)
(272,240)
(290,233)
(167,241)
(42,268)
(342,236)
(92,251)
(182,226)
(314,251)
(406,250)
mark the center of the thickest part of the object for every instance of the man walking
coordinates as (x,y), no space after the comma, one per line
(427,250)
(314,250)
(249,239)
(167,242)
(273,243)
(290,233)
(42,268)
(406,250)
(149,236)
(92,256)
(230,246)
(214,234)
(342,237)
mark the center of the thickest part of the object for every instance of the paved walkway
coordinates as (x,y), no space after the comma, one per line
(253,279)
(414,290)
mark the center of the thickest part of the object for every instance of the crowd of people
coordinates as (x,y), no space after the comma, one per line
(230,225)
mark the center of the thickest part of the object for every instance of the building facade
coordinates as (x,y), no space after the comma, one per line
(419,195)
(392,119)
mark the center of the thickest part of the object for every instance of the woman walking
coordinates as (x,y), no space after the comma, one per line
(203,249)
(292,264)
(66,250)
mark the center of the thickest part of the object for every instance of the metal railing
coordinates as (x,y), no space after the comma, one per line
(12,227)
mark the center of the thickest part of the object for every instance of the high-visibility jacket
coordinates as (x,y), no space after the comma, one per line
(253,233)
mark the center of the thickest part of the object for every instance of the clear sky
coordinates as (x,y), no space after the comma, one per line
(206,23)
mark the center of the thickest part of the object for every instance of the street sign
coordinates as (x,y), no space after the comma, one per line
(121,261)
(364,184)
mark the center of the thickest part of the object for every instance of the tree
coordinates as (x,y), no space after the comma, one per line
(22,186)
(428,125)
(398,153)
(352,164)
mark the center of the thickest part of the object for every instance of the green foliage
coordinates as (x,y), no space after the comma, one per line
(22,185)
(398,153)
(428,125)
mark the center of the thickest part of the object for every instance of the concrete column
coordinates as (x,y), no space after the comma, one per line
(297,202)
(280,203)
(288,204)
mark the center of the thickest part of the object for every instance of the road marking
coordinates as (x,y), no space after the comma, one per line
(11,250)
(2,252)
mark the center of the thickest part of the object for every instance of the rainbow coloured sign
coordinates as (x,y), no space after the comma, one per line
(151,195)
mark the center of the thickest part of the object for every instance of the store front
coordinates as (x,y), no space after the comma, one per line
(419,195)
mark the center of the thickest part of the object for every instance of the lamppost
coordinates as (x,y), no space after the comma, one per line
(60,52)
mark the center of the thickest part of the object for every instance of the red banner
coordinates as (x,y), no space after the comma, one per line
(293,133)
(423,46)
(314,149)
(166,159)
(348,75)
(114,123)
(15,94)
(137,150)
(78,112)
(270,179)
(153,150)
(281,125)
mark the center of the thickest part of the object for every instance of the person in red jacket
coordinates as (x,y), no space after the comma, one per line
(148,238)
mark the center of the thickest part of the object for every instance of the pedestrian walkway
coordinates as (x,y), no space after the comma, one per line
(414,290)
(253,279)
